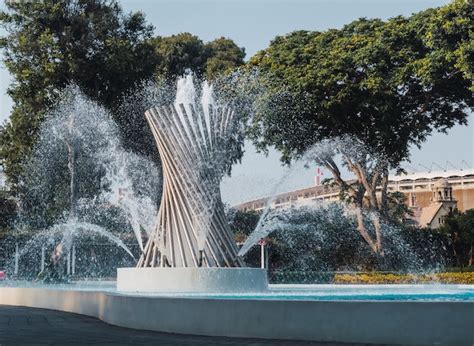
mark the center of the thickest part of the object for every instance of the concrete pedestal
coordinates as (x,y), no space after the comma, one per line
(192,280)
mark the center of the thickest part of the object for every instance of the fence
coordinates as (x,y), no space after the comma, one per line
(85,259)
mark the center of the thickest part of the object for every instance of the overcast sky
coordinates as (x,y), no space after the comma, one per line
(252,24)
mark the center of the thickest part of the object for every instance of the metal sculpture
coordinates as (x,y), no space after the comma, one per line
(191,228)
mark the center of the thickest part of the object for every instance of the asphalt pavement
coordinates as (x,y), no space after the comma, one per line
(31,326)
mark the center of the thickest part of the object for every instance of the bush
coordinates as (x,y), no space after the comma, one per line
(391,278)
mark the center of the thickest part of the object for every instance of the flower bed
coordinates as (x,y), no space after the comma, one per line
(389,278)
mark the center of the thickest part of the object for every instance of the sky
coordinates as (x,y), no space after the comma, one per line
(253,24)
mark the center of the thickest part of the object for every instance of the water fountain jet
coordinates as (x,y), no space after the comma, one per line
(192,248)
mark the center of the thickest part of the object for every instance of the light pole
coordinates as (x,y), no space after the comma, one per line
(262,244)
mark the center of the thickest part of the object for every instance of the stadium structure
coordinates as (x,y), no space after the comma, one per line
(431,195)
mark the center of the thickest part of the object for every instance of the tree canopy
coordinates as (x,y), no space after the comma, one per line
(105,52)
(7,210)
(460,229)
(184,51)
(177,54)
(368,92)
(52,43)
(389,84)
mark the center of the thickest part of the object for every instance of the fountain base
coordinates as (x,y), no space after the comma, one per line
(192,280)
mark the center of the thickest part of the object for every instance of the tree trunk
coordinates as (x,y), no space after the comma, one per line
(358,201)
(455,253)
(363,231)
(383,192)
(370,175)
(378,233)
(471,255)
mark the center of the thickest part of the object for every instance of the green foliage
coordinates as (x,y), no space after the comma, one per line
(304,240)
(178,53)
(460,229)
(51,43)
(398,209)
(450,34)
(223,56)
(429,245)
(376,87)
(7,210)
(243,222)
(323,239)
(389,84)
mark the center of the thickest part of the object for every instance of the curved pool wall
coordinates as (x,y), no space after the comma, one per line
(350,321)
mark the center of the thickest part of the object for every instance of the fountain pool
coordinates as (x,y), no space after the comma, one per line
(189,278)
(388,314)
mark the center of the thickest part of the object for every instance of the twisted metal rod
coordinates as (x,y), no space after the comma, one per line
(191,229)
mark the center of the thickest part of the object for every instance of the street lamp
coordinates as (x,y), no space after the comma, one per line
(262,242)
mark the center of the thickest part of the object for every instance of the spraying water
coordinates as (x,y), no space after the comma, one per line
(104,183)
(292,222)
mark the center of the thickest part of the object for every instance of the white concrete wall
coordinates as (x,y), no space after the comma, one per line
(389,322)
(196,280)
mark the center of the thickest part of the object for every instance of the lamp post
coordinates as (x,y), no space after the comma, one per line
(262,242)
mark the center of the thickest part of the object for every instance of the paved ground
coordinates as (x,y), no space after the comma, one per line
(21,325)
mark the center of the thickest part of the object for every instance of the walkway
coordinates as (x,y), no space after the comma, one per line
(22,325)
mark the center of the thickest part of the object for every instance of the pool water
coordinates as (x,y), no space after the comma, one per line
(435,292)
(425,292)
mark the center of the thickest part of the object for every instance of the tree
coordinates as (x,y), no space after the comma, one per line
(242,224)
(52,43)
(79,165)
(430,246)
(185,51)
(398,209)
(380,86)
(223,57)
(7,210)
(102,50)
(179,53)
(305,241)
(460,229)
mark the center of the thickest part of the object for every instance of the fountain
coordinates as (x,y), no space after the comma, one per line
(189,277)
(79,185)
(192,248)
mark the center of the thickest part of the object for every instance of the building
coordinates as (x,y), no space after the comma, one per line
(422,190)
(441,204)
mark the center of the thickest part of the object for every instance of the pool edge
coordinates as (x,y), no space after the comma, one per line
(390,322)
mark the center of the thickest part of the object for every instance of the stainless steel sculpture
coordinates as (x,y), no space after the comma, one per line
(191,229)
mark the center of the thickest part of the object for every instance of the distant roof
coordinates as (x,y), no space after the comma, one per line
(433,174)
(428,213)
